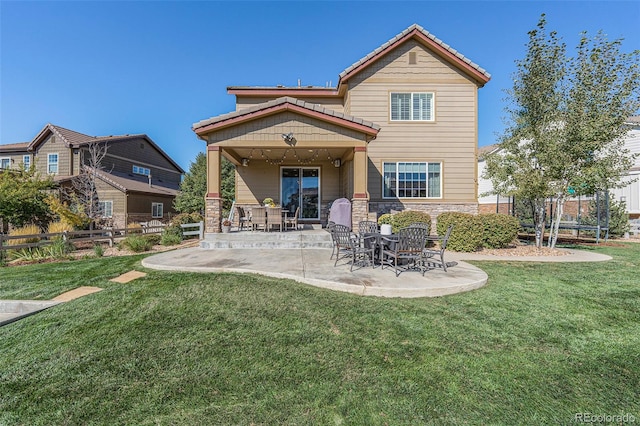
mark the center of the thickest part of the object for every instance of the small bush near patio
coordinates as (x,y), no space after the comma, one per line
(171,235)
(140,243)
(499,230)
(467,230)
(407,217)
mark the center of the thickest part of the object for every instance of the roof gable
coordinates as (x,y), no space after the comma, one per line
(284,104)
(435,45)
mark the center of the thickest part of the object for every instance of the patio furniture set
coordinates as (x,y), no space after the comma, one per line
(267,218)
(411,248)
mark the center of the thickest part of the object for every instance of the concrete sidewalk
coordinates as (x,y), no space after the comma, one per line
(313,266)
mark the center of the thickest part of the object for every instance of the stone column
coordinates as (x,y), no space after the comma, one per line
(213,201)
(360,199)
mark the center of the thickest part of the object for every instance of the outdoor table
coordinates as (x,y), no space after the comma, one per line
(391,239)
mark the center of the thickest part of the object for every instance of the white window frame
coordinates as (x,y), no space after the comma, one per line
(106,212)
(412,114)
(26,162)
(139,170)
(8,162)
(154,210)
(51,163)
(396,190)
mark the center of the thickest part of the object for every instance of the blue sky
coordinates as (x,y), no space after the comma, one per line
(157,67)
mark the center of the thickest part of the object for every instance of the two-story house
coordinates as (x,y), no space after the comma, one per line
(137,181)
(399,131)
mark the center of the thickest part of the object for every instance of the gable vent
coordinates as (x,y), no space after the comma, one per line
(413,58)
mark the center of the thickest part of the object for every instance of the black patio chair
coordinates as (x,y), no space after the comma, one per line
(430,254)
(243,218)
(350,245)
(367,227)
(405,250)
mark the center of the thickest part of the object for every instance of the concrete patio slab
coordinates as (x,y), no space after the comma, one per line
(313,267)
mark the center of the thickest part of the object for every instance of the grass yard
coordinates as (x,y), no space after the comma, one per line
(538,344)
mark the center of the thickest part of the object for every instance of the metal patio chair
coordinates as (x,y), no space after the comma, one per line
(350,245)
(405,250)
(430,254)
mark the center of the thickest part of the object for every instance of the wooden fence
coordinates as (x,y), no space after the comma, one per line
(95,236)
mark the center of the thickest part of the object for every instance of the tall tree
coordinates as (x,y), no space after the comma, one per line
(193,187)
(521,166)
(566,123)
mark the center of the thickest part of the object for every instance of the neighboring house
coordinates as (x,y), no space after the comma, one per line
(630,193)
(399,131)
(138,180)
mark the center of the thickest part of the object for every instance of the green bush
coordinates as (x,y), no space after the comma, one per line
(618,217)
(467,232)
(183,218)
(499,230)
(172,235)
(140,243)
(407,217)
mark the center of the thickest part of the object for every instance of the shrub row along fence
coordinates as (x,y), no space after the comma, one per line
(95,236)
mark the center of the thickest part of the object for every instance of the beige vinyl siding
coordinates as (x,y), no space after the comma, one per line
(450,139)
(261,180)
(107,192)
(16,159)
(140,204)
(269,130)
(54,145)
(333,103)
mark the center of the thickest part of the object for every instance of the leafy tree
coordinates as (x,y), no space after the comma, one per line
(23,198)
(193,187)
(567,122)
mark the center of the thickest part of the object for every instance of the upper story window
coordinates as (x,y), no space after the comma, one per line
(139,170)
(412,107)
(412,180)
(52,164)
(26,162)
(5,163)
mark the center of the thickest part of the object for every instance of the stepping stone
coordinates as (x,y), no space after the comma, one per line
(74,294)
(129,276)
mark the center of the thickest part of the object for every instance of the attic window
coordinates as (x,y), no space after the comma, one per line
(413,59)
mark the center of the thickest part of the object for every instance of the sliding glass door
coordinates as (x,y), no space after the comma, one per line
(300,187)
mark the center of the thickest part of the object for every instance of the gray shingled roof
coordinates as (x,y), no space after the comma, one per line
(280,101)
(10,147)
(427,34)
(126,183)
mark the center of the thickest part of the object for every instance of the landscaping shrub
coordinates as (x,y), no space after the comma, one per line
(172,235)
(467,230)
(184,218)
(134,228)
(59,227)
(25,230)
(140,243)
(499,230)
(98,250)
(407,217)
(618,217)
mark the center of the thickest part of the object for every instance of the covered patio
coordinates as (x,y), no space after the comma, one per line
(297,153)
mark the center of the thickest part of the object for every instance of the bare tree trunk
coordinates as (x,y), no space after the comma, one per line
(555,224)
(538,221)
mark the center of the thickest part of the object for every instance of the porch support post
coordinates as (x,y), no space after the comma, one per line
(213,201)
(360,200)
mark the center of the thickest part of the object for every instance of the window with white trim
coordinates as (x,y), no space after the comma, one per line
(106,208)
(52,164)
(411,107)
(5,163)
(157,210)
(412,180)
(139,170)
(26,162)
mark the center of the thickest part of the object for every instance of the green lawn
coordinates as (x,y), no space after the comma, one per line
(538,344)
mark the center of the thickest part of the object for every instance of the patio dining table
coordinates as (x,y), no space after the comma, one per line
(390,242)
